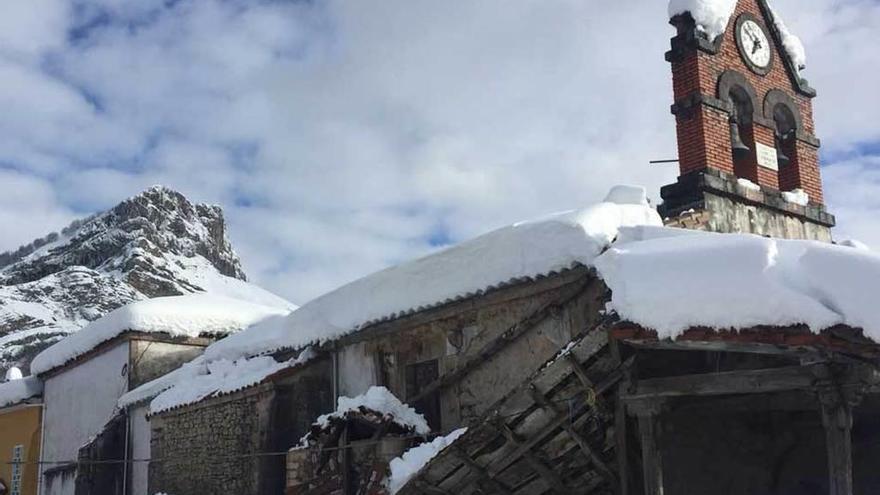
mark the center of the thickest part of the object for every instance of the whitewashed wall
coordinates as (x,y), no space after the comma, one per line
(357,370)
(78,403)
(140,449)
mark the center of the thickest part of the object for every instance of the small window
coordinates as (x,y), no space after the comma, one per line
(418,377)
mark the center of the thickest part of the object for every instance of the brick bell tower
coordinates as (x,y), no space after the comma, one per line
(742,111)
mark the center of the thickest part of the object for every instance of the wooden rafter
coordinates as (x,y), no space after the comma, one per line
(534,462)
(591,454)
(481,471)
(509,336)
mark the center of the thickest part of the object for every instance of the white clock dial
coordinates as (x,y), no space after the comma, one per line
(755,44)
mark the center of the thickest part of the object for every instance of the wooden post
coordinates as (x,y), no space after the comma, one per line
(648,412)
(652,463)
(837,419)
(346,463)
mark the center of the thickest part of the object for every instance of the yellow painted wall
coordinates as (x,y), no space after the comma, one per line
(20,425)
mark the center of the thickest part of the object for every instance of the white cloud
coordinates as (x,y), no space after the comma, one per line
(343,136)
(28,209)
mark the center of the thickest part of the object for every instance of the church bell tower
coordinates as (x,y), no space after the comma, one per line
(748,154)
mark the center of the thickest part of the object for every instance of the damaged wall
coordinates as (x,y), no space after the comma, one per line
(404,350)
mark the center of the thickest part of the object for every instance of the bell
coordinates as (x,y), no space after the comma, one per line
(781,157)
(740,150)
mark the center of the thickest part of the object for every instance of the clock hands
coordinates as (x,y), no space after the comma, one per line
(757,45)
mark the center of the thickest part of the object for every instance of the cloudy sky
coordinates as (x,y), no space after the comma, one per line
(341,136)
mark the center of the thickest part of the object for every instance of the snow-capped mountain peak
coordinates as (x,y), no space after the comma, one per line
(154,244)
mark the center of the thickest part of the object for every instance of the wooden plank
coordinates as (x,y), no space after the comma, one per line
(556,371)
(556,424)
(429,489)
(481,471)
(588,450)
(726,383)
(536,464)
(502,341)
(725,346)
(652,462)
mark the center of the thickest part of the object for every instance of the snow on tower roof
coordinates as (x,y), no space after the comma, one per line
(518,252)
(191,315)
(15,391)
(713,16)
(671,280)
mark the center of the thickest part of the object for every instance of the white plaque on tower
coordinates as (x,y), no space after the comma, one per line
(767,156)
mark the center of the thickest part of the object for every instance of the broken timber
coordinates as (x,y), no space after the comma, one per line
(509,336)
(528,442)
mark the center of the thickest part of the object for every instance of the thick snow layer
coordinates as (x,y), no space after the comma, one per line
(729,281)
(412,461)
(380,400)
(14,391)
(209,379)
(711,16)
(519,251)
(798,197)
(791,43)
(180,316)
(200,379)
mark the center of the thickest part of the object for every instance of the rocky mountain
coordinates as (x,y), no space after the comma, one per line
(155,244)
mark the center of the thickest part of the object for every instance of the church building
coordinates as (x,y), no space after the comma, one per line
(725,345)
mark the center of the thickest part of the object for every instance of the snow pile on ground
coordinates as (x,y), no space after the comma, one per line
(792,44)
(797,196)
(671,281)
(412,461)
(199,380)
(519,251)
(711,16)
(15,391)
(180,316)
(382,401)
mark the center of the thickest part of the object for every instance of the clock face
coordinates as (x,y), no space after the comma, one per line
(754,44)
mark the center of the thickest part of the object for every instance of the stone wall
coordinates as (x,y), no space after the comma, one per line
(198,449)
(235,443)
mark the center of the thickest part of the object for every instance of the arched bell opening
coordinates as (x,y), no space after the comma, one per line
(742,102)
(742,135)
(785,135)
(785,114)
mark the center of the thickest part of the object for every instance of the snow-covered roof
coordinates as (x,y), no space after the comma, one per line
(520,251)
(379,400)
(671,280)
(412,461)
(713,16)
(200,379)
(191,315)
(15,391)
